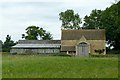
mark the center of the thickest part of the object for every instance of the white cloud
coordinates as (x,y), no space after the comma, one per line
(80,1)
(17,15)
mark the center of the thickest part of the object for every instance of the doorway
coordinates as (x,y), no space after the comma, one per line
(82,49)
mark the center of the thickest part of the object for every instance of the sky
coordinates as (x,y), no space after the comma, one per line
(17,15)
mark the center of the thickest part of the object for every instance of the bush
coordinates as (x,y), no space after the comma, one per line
(104,55)
(100,51)
(113,52)
(62,54)
(13,53)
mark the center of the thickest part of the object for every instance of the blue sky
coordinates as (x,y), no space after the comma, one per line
(17,15)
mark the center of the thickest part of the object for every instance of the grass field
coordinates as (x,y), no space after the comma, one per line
(35,66)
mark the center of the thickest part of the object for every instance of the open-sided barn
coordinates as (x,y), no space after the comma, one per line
(36,46)
(78,42)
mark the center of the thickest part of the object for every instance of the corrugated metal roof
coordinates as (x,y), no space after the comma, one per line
(39,41)
(37,46)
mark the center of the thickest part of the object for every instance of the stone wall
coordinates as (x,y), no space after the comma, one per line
(93,45)
(97,44)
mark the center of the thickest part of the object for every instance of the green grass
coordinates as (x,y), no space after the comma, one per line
(35,66)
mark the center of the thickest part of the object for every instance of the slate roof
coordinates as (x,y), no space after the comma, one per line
(67,48)
(89,34)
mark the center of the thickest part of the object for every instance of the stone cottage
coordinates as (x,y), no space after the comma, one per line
(78,42)
(83,41)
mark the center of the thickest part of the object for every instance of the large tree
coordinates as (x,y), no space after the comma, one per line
(0,46)
(70,20)
(34,33)
(94,20)
(111,22)
(47,36)
(109,19)
(6,46)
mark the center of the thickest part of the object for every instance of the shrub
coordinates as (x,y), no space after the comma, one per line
(104,55)
(100,51)
(62,54)
(13,53)
(113,52)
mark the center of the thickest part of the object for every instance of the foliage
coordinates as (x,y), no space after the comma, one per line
(47,36)
(34,32)
(109,20)
(70,20)
(113,52)
(35,66)
(6,46)
(103,56)
(94,20)
(100,51)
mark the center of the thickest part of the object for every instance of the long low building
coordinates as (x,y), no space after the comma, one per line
(36,46)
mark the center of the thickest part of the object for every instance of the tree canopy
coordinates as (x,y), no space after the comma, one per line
(70,20)
(35,32)
(6,46)
(94,20)
(111,21)
(108,19)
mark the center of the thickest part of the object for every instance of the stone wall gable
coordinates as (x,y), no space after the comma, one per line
(82,39)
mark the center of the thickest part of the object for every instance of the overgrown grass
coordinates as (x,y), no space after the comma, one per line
(35,66)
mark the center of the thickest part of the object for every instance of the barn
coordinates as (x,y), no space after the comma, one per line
(83,42)
(80,42)
(36,46)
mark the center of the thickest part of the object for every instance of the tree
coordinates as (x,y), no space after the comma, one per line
(111,22)
(109,19)
(70,20)
(7,44)
(0,46)
(34,32)
(94,20)
(47,36)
